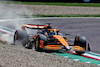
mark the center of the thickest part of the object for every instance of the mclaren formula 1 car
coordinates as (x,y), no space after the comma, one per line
(44,37)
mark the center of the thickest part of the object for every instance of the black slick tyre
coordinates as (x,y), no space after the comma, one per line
(21,36)
(80,41)
(79,52)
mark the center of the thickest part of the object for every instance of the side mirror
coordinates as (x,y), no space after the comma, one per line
(67,34)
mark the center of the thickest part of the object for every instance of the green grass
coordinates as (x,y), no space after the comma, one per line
(54,3)
(40,16)
(63,16)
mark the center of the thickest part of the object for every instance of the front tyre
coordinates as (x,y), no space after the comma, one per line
(79,52)
(80,41)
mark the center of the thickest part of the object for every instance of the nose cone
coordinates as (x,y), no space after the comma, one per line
(65,48)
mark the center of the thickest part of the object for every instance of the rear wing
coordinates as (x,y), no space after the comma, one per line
(33,26)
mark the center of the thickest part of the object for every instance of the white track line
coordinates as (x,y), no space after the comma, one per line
(3,20)
(91,56)
(7,28)
(94,53)
(7,32)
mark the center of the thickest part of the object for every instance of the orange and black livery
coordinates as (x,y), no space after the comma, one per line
(44,37)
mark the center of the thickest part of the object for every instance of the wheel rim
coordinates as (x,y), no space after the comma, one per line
(15,36)
(36,44)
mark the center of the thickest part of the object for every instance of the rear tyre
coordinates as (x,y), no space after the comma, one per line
(21,36)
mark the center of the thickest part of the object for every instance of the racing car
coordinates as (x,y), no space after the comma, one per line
(44,37)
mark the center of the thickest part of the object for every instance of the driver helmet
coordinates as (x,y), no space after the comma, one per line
(51,32)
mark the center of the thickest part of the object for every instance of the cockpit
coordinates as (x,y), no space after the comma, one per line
(52,31)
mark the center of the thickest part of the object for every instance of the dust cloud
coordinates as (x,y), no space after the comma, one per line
(6,39)
(12,11)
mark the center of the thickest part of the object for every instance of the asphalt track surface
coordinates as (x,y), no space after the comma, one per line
(88,27)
